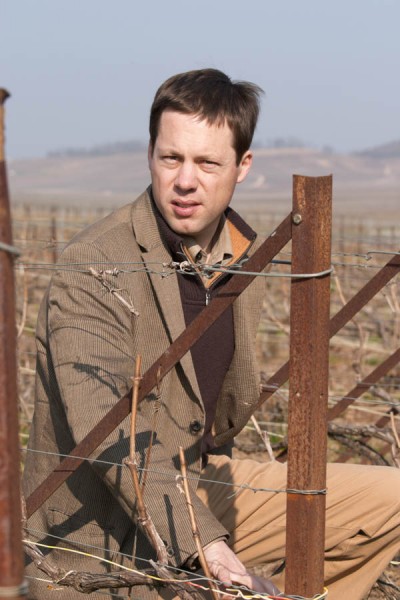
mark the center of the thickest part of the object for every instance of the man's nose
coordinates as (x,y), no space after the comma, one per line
(186,178)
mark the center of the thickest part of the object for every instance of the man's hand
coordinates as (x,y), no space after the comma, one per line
(227,568)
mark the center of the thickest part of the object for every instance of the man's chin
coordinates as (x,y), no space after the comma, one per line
(183,226)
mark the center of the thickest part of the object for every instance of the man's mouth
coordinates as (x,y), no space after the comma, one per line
(184,209)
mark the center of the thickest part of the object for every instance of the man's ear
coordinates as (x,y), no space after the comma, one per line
(244,166)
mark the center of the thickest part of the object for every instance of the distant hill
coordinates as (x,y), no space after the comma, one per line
(365,183)
(389,150)
(130,146)
(100,150)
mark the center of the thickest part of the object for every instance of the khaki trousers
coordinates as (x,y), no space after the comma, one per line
(362,519)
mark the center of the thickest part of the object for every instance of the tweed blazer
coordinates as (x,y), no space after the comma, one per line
(87,340)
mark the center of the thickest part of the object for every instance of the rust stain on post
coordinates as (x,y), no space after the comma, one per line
(308,396)
(11,556)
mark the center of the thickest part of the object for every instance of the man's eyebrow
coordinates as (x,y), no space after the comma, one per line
(202,156)
(168,150)
(215,158)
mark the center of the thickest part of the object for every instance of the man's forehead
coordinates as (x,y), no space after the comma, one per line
(175,123)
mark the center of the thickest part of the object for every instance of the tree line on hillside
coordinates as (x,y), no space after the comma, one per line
(389,150)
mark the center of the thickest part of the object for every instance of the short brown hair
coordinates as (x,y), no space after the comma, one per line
(212,96)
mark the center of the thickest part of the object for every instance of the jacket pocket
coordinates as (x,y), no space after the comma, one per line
(80,544)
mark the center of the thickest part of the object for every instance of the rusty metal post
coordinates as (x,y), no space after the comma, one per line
(308,396)
(11,556)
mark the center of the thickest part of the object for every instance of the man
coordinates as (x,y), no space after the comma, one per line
(90,330)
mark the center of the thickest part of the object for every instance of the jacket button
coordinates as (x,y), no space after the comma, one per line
(195,426)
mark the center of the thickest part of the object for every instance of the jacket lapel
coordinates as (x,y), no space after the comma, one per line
(166,289)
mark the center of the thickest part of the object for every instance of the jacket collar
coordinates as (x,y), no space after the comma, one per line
(234,237)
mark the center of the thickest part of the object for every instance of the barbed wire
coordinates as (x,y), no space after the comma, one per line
(183,267)
(172,475)
(365,265)
(186,268)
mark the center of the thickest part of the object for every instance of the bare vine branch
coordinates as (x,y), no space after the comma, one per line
(265,438)
(82,581)
(144,520)
(193,522)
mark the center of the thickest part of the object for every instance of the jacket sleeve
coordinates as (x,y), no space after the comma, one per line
(90,336)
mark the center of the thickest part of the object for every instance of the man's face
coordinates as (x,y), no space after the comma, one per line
(194,174)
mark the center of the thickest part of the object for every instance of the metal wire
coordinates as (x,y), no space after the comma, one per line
(172,475)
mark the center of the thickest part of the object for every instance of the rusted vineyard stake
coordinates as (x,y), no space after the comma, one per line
(11,556)
(308,396)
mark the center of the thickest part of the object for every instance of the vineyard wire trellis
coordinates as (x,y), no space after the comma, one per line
(387,277)
(370,289)
(396,270)
(310,195)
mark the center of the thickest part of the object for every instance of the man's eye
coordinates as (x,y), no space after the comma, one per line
(170,159)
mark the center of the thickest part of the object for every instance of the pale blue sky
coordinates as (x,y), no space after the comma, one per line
(84,72)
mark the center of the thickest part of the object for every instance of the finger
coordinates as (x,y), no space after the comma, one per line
(223,575)
(242,579)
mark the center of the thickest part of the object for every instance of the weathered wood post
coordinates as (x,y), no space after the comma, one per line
(308,396)
(12,585)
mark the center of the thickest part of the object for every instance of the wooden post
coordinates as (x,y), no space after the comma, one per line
(11,555)
(308,396)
